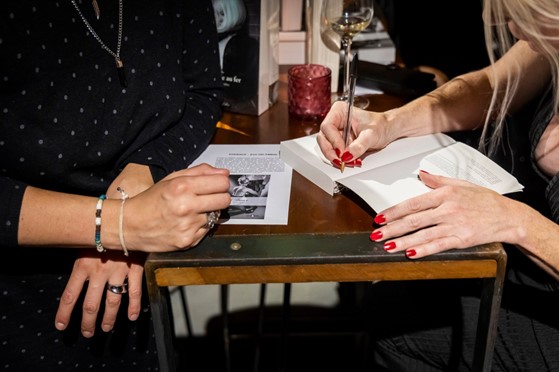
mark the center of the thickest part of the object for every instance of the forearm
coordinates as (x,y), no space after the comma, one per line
(50,219)
(538,237)
(460,104)
(463,103)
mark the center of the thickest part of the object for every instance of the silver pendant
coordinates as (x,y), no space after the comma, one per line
(121,73)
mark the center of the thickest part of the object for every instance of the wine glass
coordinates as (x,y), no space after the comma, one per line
(347,18)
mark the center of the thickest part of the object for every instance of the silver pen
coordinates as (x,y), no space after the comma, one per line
(347,127)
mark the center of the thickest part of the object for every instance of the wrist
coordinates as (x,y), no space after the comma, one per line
(109,224)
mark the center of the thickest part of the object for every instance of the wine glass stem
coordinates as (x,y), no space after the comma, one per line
(346,44)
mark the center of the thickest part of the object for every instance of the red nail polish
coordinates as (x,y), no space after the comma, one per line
(346,156)
(410,253)
(388,246)
(358,162)
(422,171)
(337,163)
(337,152)
(380,219)
(376,235)
(350,164)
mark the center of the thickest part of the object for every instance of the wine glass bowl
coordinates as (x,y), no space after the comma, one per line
(347,18)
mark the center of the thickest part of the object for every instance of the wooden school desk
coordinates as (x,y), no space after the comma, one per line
(326,240)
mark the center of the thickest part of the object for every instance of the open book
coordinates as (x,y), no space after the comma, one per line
(389,176)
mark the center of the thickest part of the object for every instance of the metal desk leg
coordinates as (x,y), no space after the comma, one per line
(186,312)
(226,332)
(164,336)
(260,329)
(286,314)
(487,323)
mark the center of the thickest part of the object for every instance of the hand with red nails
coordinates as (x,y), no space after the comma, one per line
(364,135)
(455,214)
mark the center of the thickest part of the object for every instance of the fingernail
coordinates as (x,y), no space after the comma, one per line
(106,327)
(337,163)
(350,164)
(380,219)
(346,156)
(376,235)
(422,171)
(338,152)
(410,253)
(358,162)
(133,316)
(388,246)
(87,334)
(60,326)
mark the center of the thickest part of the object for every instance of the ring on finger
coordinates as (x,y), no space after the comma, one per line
(117,288)
(213,217)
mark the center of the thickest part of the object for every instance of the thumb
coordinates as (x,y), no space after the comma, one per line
(434,181)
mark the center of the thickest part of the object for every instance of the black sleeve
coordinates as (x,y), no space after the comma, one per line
(185,141)
(11,194)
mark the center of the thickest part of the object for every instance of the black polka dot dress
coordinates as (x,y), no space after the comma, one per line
(68,124)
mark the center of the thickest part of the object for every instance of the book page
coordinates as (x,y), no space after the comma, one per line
(388,185)
(259,183)
(466,163)
(393,183)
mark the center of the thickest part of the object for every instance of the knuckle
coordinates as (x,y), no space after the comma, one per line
(90,307)
(413,205)
(413,222)
(113,301)
(426,235)
(135,293)
(68,297)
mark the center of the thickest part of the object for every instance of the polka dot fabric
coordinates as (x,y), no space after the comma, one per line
(68,125)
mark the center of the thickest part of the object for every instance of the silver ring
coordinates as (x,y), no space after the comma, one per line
(213,217)
(117,289)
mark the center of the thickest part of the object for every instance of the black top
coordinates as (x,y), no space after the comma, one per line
(67,124)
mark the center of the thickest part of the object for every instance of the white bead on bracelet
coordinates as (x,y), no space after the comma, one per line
(123,196)
(98,211)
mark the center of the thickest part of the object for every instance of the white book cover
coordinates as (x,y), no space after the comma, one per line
(389,176)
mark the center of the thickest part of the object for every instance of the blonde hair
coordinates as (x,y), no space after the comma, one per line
(233,13)
(531,17)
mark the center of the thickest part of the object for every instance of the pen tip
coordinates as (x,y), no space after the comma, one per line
(342,166)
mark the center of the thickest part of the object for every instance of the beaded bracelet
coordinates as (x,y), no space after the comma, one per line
(123,196)
(98,244)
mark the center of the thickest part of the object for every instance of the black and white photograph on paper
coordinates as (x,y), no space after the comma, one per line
(249,196)
(259,183)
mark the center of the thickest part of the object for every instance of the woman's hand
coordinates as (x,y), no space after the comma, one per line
(368,132)
(174,211)
(97,271)
(110,267)
(172,215)
(455,214)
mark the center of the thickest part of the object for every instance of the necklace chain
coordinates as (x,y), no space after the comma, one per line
(118,60)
